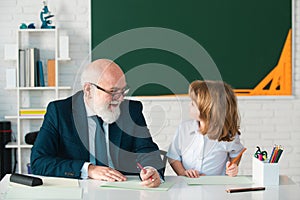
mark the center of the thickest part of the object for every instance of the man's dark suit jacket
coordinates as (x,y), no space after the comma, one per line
(61,147)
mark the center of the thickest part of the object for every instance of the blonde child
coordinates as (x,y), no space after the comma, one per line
(207,143)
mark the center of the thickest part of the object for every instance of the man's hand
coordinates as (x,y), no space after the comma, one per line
(105,173)
(151,178)
(232,170)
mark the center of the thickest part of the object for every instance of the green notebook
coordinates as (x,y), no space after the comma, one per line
(218,180)
(134,183)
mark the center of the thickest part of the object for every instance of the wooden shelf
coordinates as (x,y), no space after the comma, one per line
(63,59)
(37,30)
(23,117)
(41,88)
(13,145)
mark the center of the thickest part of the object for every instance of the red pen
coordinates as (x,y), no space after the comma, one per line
(144,170)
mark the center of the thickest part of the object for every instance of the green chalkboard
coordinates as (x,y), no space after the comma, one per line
(163,45)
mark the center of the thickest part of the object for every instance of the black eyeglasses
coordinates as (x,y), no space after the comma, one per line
(114,95)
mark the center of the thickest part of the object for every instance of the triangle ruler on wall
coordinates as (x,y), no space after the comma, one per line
(279,80)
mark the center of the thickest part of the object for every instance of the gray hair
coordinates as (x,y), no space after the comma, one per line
(93,71)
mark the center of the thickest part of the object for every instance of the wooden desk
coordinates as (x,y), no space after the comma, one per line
(285,191)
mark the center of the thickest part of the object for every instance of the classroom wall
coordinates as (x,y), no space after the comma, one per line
(265,121)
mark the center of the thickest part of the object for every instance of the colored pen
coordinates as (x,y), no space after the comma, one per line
(144,170)
(237,158)
(245,189)
(275,154)
(278,155)
(272,154)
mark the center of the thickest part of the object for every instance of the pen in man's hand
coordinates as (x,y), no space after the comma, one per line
(144,170)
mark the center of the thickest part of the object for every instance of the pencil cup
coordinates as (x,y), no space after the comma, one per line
(265,173)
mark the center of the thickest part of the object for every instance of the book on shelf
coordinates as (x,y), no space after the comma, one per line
(22,63)
(41,74)
(28,67)
(33,60)
(32,111)
(51,72)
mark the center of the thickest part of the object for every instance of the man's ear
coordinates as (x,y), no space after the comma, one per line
(87,90)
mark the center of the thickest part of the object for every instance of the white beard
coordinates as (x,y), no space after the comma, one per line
(107,115)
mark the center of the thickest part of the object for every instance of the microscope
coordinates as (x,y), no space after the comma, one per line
(45,16)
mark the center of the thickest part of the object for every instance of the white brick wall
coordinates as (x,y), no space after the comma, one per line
(265,122)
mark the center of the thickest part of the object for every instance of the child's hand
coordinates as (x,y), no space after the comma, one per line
(232,170)
(191,173)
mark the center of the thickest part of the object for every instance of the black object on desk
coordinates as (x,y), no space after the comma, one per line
(245,189)
(25,179)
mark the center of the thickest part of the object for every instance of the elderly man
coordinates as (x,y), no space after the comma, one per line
(96,133)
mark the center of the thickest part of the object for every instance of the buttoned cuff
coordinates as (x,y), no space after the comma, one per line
(84,170)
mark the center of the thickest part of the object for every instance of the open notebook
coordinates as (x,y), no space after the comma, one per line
(218,180)
(134,183)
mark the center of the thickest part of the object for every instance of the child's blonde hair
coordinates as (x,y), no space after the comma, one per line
(217,104)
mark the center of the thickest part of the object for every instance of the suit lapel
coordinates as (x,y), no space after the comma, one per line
(80,118)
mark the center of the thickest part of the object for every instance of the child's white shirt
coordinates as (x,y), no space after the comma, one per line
(197,151)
